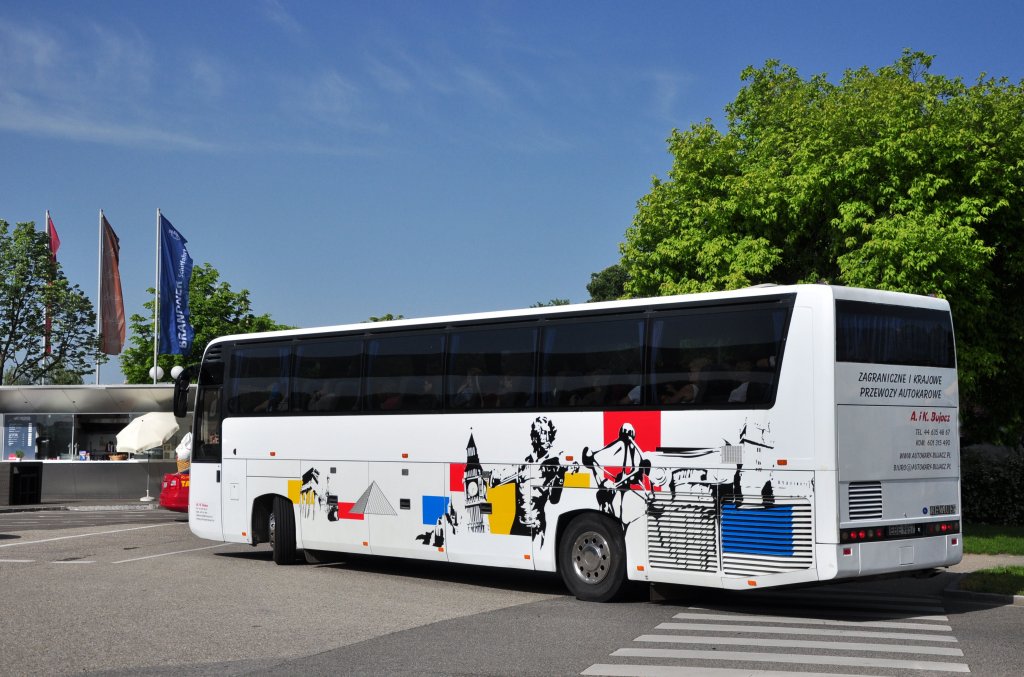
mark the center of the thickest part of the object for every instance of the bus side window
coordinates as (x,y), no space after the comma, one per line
(725,357)
(593,364)
(405,373)
(258,379)
(327,376)
(491,368)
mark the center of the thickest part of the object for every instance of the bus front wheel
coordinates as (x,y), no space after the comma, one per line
(592,558)
(281,531)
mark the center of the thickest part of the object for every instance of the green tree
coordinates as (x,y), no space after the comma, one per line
(387,317)
(30,283)
(896,178)
(609,284)
(215,310)
(552,302)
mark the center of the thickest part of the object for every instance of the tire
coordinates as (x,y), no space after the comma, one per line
(592,558)
(281,531)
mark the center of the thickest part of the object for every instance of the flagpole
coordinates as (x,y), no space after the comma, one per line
(156,301)
(49,318)
(99,294)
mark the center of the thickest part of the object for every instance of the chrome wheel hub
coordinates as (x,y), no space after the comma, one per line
(590,557)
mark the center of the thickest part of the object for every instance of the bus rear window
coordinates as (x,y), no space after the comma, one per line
(877,333)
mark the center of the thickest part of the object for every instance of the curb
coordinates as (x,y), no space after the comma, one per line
(953,590)
(78,508)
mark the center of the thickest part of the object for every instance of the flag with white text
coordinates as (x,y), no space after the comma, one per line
(176,332)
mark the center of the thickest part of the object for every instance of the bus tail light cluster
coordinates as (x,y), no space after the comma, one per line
(898,531)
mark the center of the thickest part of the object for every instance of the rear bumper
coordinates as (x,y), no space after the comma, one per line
(887,557)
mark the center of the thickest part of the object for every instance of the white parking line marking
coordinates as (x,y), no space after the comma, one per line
(94,533)
(74,561)
(165,554)
(16,561)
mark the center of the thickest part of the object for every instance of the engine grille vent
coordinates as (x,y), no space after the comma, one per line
(767,539)
(865,500)
(681,533)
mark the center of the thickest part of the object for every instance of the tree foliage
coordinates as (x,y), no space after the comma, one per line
(31,282)
(551,302)
(215,311)
(896,178)
(608,284)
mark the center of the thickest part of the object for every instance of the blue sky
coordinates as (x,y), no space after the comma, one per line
(348,159)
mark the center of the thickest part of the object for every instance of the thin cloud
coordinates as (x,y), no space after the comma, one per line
(18,114)
(282,18)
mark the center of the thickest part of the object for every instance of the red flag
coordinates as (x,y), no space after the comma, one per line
(51,232)
(111,301)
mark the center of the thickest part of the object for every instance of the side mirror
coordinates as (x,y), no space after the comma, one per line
(181,392)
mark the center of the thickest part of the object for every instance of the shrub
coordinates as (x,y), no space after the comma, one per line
(993,484)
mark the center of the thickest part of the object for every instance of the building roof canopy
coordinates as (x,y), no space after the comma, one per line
(88,399)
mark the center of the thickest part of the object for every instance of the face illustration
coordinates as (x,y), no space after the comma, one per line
(542,434)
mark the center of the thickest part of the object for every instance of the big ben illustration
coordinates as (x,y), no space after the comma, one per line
(476,481)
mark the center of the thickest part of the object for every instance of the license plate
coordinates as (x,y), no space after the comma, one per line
(902,530)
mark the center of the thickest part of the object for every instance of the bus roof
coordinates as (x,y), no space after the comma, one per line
(767,290)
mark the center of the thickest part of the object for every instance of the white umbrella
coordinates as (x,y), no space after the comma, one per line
(147,431)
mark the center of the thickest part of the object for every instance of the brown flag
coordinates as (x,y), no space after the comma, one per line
(112,326)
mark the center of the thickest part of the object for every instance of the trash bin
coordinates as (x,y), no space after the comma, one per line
(24,480)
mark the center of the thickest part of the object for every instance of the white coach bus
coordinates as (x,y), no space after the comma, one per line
(762,437)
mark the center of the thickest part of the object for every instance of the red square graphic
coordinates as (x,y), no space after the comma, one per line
(647,425)
(455,473)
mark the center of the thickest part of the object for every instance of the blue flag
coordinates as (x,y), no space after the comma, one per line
(175,273)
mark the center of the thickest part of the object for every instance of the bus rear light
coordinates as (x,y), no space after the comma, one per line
(273,453)
(366,544)
(847,551)
(782,461)
(405,455)
(898,531)
(639,567)
(752,583)
(955,541)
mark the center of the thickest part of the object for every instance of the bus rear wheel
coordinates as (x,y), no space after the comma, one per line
(592,558)
(281,531)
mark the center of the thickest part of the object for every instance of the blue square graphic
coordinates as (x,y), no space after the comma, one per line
(434,507)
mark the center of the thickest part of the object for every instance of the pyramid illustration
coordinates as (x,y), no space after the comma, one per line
(373,502)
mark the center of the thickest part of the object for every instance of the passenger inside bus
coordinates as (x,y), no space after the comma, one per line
(689,391)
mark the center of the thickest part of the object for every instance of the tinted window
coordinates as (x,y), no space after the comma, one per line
(491,369)
(404,373)
(592,364)
(884,334)
(717,356)
(258,379)
(327,375)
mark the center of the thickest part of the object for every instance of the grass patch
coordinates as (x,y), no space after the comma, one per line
(998,580)
(992,539)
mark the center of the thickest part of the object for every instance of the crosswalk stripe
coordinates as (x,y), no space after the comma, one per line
(613,670)
(797,620)
(800,659)
(802,644)
(832,612)
(772,630)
